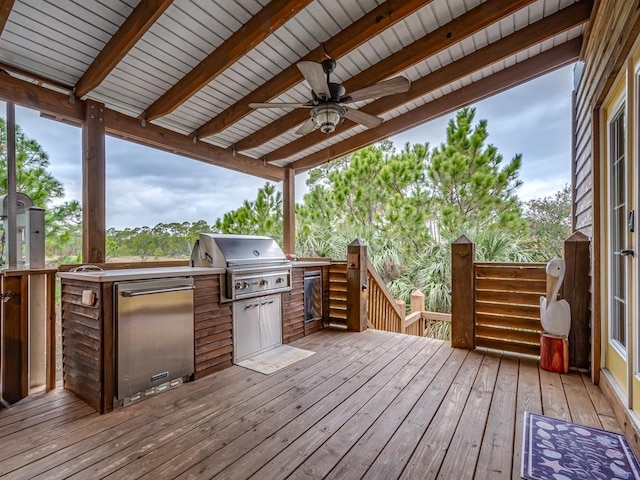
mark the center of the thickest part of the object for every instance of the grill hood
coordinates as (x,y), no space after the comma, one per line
(224,251)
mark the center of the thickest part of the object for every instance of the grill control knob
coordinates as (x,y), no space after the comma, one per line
(279,280)
(245,285)
(238,286)
(263,283)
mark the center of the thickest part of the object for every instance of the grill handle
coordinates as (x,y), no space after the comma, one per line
(153,291)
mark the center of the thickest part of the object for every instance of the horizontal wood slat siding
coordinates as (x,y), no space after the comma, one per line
(507,311)
(613,31)
(338,293)
(81,342)
(614,28)
(293,308)
(213,325)
(293,324)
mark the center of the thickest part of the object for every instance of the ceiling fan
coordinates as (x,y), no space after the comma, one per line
(328,98)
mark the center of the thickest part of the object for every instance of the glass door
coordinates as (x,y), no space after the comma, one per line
(618,252)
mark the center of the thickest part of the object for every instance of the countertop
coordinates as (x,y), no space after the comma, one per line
(310,263)
(118,275)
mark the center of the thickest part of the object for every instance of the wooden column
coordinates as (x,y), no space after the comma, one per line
(357,288)
(402,327)
(597,244)
(289,210)
(15,338)
(417,301)
(462,294)
(51,331)
(576,292)
(93,184)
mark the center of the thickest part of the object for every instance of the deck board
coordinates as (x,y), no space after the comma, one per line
(366,405)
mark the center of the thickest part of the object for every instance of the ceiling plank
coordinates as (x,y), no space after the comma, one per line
(5,10)
(545,62)
(563,20)
(377,20)
(58,106)
(131,30)
(449,34)
(259,27)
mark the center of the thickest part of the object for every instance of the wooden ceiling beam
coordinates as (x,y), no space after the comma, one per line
(5,10)
(561,21)
(453,32)
(132,29)
(377,20)
(57,105)
(545,62)
(259,27)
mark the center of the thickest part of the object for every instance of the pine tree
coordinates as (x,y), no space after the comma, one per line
(63,220)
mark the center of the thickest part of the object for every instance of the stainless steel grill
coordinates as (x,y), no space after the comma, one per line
(255,266)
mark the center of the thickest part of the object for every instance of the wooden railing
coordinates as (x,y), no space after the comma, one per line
(507,305)
(384,312)
(497,305)
(424,323)
(338,293)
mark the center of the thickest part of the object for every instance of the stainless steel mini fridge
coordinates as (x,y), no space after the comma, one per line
(154,335)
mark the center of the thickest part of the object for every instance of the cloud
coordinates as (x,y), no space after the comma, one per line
(147,186)
(533,119)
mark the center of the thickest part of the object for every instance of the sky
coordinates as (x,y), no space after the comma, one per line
(146,186)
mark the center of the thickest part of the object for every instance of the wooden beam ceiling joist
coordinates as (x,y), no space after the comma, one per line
(543,29)
(57,105)
(5,10)
(522,72)
(131,30)
(259,27)
(453,32)
(377,20)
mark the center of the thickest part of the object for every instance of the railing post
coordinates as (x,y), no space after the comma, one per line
(14,376)
(402,327)
(357,288)
(417,301)
(462,294)
(576,292)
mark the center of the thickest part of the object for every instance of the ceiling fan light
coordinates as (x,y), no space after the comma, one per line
(327,116)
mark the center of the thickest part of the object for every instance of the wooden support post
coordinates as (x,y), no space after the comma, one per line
(93,184)
(14,376)
(463,294)
(402,327)
(289,211)
(51,331)
(417,301)
(576,292)
(357,288)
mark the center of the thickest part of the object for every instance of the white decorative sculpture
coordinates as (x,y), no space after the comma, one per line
(555,315)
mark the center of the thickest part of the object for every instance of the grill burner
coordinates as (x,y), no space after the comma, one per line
(255,266)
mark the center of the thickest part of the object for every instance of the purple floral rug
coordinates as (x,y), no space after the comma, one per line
(557,450)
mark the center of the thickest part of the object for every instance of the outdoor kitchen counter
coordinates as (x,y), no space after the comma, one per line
(119,275)
(90,335)
(310,263)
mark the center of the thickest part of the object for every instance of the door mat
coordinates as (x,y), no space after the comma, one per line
(559,450)
(275,359)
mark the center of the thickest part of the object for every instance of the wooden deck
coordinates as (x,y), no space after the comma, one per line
(368,405)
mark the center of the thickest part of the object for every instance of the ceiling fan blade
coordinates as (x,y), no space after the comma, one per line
(366,119)
(382,89)
(279,105)
(306,127)
(314,74)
